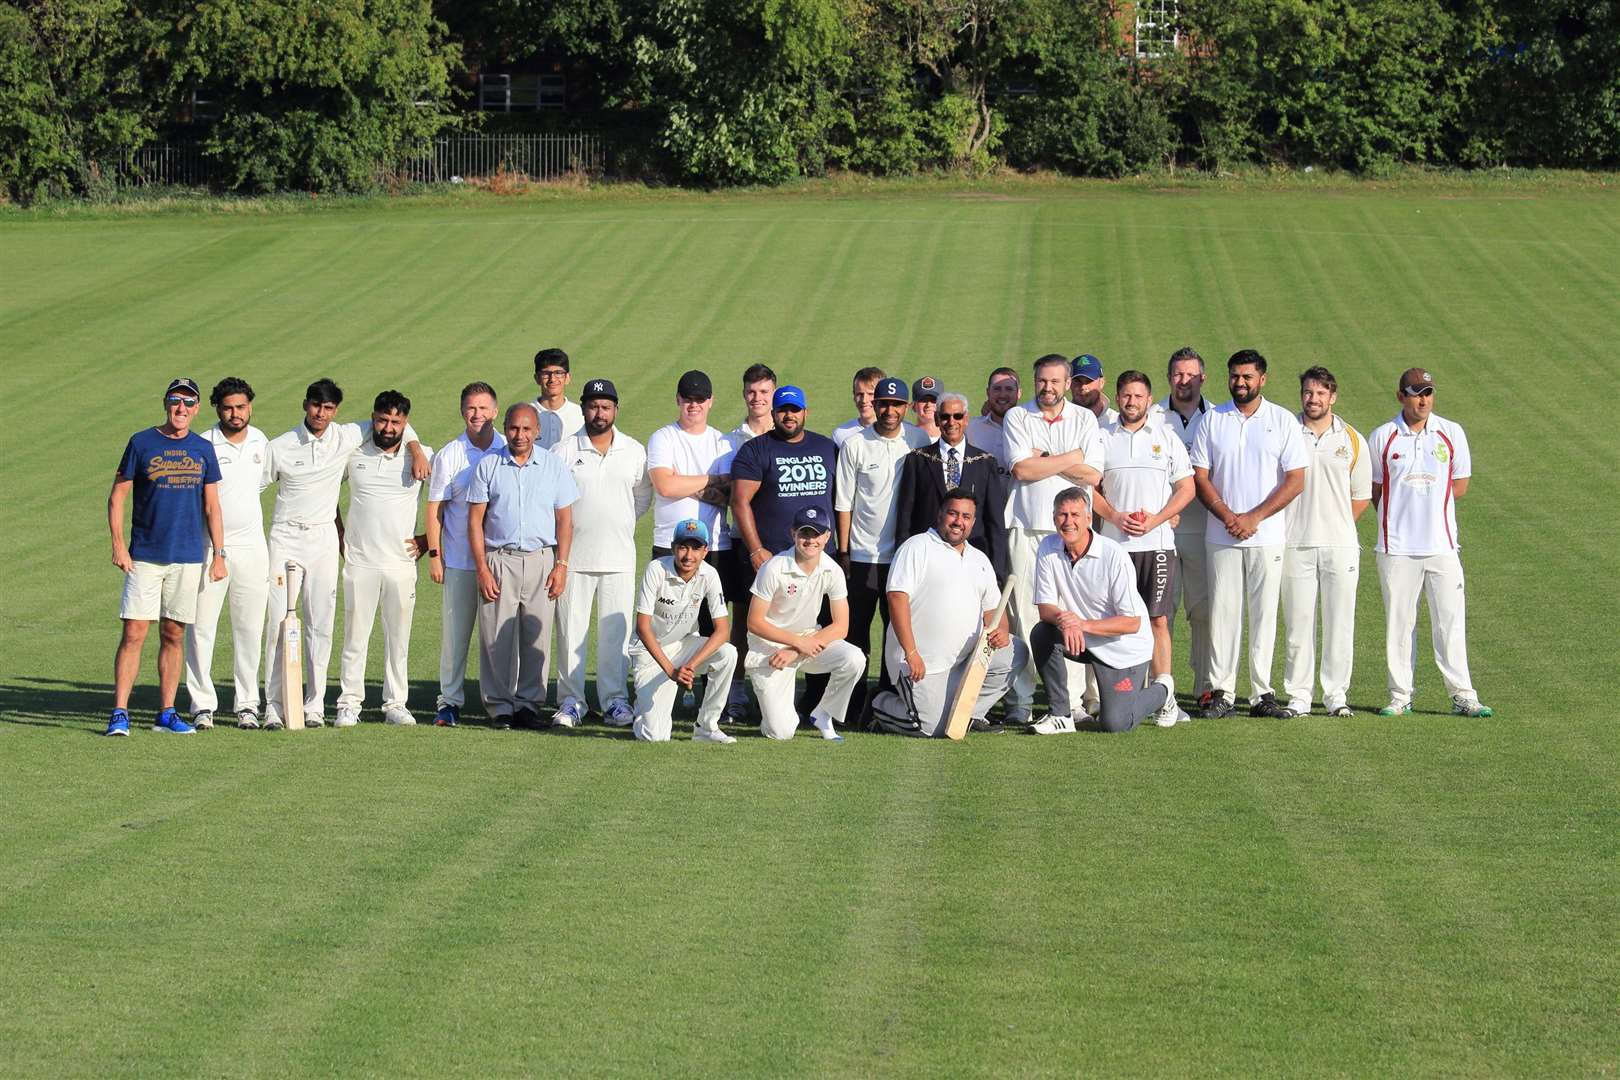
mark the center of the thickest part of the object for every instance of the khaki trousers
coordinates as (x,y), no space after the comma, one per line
(514,632)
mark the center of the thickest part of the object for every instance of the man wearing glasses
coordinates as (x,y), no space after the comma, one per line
(173,476)
(1420,468)
(559,417)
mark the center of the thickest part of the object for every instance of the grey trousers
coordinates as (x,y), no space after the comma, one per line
(1127,697)
(926,701)
(514,633)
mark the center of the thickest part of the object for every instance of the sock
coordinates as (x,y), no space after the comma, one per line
(824,724)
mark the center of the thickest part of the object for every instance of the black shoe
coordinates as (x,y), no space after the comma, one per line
(525,719)
(1267,707)
(984,724)
(1219,707)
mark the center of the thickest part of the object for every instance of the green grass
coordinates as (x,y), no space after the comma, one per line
(1423,896)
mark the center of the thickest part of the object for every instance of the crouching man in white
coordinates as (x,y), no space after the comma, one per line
(941,591)
(1091,611)
(668,652)
(783,638)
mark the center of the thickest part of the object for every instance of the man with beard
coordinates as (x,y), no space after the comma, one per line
(778,474)
(942,592)
(380,549)
(244,467)
(1249,463)
(1085,387)
(861,389)
(1181,414)
(610,471)
(985,430)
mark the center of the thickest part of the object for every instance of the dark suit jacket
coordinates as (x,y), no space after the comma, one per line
(922,491)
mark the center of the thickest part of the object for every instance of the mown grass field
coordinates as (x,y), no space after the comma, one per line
(1429,896)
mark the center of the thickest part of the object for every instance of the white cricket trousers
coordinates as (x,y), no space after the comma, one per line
(655,691)
(247,586)
(1192,595)
(456,636)
(1440,578)
(1022,545)
(615,596)
(315,549)
(366,591)
(1243,577)
(842,662)
(1331,573)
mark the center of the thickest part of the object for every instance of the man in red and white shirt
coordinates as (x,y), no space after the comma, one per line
(1420,468)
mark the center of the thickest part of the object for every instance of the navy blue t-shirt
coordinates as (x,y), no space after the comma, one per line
(168,525)
(791,476)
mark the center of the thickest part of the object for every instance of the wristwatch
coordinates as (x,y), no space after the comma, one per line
(433,553)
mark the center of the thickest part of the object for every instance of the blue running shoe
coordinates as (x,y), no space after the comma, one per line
(169,720)
(447,716)
(119,724)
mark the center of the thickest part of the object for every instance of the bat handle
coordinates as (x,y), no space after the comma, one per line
(292,572)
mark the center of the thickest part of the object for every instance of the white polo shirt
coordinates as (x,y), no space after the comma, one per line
(558,424)
(1246,457)
(673,604)
(795,596)
(613,492)
(1340,471)
(309,471)
(1029,433)
(383,497)
(685,454)
(1098,585)
(1139,470)
(452,472)
(742,433)
(1417,514)
(847,431)
(244,473)
(868,475)
(988,436)
(949,591)
(1194,518)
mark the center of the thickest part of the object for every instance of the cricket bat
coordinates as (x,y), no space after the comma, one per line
(292,657)
(967,691)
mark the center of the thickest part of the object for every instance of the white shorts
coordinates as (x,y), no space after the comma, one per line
(167,590)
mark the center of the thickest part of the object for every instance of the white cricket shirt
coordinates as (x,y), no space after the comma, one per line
(1098,585)
(1340,471)
(452,473)
(383,498)
(1417,514)
(613,492)
(244,473)
(1246,457)
(673,604)
(868,475)
(309,471)
(742,433)
(795,596)
(1194,518)
(949,591)
(847,431)
(988,436)
(557,424)
(1028,433)
(689,455)
(1139,469)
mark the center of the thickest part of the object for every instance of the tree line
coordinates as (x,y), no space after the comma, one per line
(323,94)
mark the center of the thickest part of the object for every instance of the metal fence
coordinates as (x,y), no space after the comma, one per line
(539,157)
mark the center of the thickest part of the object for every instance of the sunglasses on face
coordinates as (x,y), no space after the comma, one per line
(176,399)
(953,416)
(1418,391)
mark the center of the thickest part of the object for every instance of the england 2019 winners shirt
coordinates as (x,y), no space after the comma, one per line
(791,475)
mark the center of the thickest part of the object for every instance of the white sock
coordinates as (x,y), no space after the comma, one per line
(824,724)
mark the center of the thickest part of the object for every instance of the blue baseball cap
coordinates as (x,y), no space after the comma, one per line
(1085,366)
(927,388)
(690,531)
(788,395)
(890,389)
(810,517)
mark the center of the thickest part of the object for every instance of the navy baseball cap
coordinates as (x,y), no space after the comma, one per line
(890,389)
(810,517)
(788,396)
(695,386)
(1085,366)
(926,388)
(690,531)
(600,388)
(185,386)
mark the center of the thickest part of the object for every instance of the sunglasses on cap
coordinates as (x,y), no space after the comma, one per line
(1418,391)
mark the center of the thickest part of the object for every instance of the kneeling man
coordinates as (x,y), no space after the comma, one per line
(941,591)
(783,637)
(668,651)
(1091,612)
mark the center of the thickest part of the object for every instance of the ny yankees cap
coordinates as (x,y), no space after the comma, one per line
(890,389)
(1085,366)
(788,395)
(695,386)
(184,385)
(600,388)
(690,531)
(926,388)
(810,517)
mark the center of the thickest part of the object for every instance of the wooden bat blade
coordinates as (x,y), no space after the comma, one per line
(960,715)
(292,672)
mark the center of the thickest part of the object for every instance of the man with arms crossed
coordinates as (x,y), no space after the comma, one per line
(520,524)
(1091,612)
(1420,468)
(610,471)
(1146,482)
(1249,463)
(380,549)
(1323,554)
(244,472)
(174,477)
(942,592)
(861,388)
(559,417)
(668,652)
(783,637)
(985,430)
(450,562)
(1183,411)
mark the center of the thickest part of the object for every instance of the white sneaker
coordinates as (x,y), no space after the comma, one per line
(1166,717)
(399,716)
(714,735)
(272,719)
(247,719)
(1053,725)
(568,714)
(203,719)
(345,718)
(618,715)
(315,720)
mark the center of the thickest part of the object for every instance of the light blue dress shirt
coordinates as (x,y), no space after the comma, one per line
(523,498)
